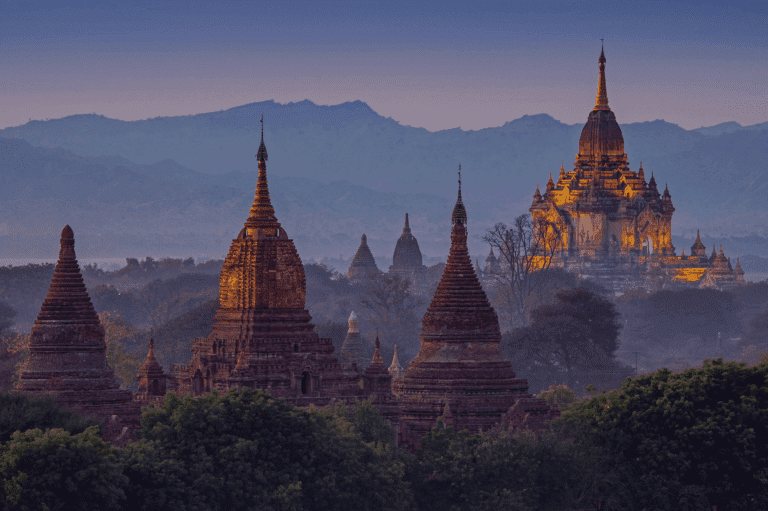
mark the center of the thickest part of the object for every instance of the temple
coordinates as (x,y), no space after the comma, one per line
(68,354)
(611,225)
(407,261)
(363,265)
(460,368)
(353,350)
(262,334)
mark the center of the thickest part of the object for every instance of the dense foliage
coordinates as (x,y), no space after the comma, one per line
(571,341)
(663,441)
(682,441)
(232,451)
(20,412)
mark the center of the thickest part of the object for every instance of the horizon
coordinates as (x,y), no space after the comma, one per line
(192,114)
(431,65)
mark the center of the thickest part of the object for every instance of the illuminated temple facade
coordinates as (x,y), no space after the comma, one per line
(614,226)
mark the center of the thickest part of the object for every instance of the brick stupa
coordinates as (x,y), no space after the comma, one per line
(363,265)
(460,361)
(67,352)
(407,260)
(262,334)
(152,381)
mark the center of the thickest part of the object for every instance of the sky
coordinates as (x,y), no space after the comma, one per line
(431,64)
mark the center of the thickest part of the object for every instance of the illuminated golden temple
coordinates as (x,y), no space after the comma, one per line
(614,226)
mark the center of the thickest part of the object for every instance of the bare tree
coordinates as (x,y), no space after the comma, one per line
(525,249)
(393,309)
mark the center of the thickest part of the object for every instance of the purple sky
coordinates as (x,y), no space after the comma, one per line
(437,65)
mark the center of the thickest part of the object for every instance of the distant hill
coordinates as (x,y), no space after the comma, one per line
(121,209)
(338,171)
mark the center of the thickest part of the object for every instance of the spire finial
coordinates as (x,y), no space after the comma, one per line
(407,227)
(459,212)
(261,155)
(262,213)
(601,101)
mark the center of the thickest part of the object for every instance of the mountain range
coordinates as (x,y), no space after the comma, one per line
(183,185)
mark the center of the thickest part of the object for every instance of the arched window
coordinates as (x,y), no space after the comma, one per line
(305,383)
(295,348)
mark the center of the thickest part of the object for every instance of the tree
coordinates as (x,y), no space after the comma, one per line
(366,422)
(458,471)
(21,412)
(572,340)
(393,310)
(245,449)
(54,470)
(118,332)
(7,317)
(559,395)
(685,440)
(525,248)
(15,354)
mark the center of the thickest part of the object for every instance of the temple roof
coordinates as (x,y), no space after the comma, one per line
(262,214)
(67,300)
(151,365)
(376,367)
(262,269)
(698,247)
(407,253)
(601,134)
(459,305)
(363,256)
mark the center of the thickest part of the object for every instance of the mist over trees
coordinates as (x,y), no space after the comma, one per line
(664,441)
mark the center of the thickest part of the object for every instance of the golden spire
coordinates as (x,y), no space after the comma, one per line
(601,101)
(262,213)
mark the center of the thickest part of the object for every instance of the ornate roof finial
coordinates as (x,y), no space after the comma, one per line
(562,171)
(407,228)
(261,155)
(262,217)
(537,195)
(601,101)
(550,183)
(459,211)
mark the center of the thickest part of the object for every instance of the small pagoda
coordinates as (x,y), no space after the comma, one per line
(363,265)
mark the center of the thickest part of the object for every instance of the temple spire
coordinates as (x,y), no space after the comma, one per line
(601,101)
(396,370)
(407,228)
(377,354)
(262,213)
(459,212)
(67,301)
